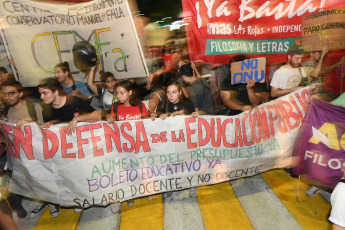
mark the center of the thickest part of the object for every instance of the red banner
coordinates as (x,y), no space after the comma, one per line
(220,29)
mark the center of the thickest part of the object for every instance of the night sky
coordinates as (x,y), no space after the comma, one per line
(158,9)
(154,9)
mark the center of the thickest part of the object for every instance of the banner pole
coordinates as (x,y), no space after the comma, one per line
(137,37)
(341,78)
(4,40)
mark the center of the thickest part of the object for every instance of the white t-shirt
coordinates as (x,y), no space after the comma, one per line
(286,78)
(108,100)
(338,205)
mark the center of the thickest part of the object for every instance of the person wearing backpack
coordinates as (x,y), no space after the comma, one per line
(69,85)
(19,112)
(129,107)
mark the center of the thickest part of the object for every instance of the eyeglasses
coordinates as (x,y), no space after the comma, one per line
(10,94)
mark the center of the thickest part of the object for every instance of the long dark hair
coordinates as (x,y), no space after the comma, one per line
(127,85)
(182,97)
(161,80)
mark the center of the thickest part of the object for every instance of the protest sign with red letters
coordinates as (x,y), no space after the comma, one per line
(102,163)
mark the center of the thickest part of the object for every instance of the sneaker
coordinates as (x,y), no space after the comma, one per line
(39,207)
(149,197)
(21,212)
(54,210)
(77,210)
(130,203)
(192,192)
(312,191)
(115,208)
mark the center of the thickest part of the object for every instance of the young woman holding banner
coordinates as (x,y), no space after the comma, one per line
(177,104)
(129,107)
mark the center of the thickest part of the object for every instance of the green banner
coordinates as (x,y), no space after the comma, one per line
(266,46)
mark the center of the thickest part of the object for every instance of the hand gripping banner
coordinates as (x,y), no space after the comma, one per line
(103,163)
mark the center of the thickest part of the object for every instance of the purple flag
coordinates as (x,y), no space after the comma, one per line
(320,144)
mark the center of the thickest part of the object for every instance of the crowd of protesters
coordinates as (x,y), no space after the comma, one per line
(176,86)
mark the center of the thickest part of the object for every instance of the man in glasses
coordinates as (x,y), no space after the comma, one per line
(22,112)
(17,112)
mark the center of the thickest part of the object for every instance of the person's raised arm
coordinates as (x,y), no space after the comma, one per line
(91,79)
(316,71)
(327,69)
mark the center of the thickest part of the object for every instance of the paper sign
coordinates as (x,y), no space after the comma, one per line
(250,69)
(41,35)
(325,28)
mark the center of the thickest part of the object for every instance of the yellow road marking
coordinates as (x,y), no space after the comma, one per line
(220,208)
(310,212)
(144,214)
(67,219)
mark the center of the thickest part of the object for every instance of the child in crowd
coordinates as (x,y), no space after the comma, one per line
(105,95)
(129,107)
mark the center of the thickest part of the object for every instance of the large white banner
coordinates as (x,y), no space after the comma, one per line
(40,35)
(3,57)
(103,163)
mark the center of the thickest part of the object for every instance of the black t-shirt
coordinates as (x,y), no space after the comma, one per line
(73,106)
(242,93)
(185,107)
